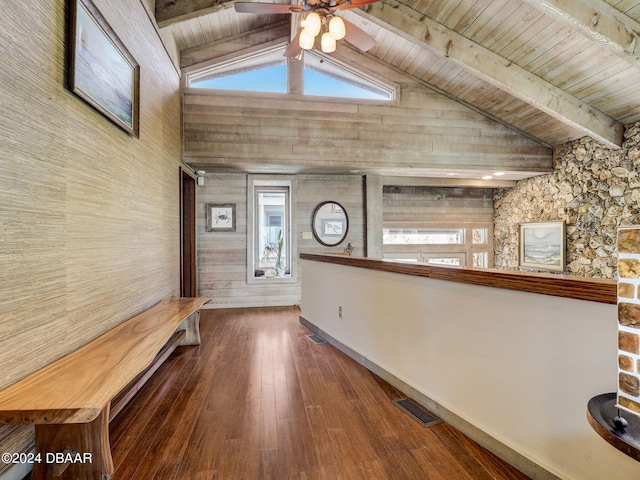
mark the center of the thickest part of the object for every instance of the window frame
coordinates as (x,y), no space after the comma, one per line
(255,184)
(251,58)
(426,232)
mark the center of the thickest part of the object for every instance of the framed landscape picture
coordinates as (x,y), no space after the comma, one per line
(101,70)
(221,217)
(542,245)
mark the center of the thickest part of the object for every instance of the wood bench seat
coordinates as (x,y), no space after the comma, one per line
(70,400)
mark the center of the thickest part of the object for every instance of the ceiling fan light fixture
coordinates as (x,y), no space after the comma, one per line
(328,43)
(312,24)
(337,28)
(306,40)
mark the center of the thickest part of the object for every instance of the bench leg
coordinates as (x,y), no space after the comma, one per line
(78,451)
(191,326)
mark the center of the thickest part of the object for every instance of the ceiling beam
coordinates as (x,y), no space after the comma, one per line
(599,22)
(169,12)
(495,70)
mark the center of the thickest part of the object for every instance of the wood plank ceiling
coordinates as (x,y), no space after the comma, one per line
(556,70)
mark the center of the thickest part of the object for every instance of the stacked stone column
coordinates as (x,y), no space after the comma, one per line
(629,318)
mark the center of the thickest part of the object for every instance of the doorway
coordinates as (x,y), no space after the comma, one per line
(188,267)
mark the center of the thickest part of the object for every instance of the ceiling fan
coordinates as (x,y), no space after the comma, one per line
(320,15)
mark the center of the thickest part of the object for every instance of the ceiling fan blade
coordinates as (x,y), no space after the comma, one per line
(358,37)
(257,7)
(355,4)
(294,48)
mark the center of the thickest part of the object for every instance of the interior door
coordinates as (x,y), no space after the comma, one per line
(188,267)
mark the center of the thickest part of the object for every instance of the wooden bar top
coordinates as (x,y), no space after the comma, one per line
(580,288)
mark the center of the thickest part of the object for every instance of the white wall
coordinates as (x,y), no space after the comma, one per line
(521,367)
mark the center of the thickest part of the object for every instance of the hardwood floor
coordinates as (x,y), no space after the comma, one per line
(259,400)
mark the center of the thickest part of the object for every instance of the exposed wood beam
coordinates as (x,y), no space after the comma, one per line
(495,70)
(598,21)
(169,12)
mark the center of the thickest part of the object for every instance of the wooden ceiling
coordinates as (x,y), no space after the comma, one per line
(555,70)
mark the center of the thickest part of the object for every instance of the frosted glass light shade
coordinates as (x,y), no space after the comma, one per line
(328,43)
(337,28)
(306,40)
(312,24)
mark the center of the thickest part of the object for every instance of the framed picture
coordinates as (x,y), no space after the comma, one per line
(542,245)
(333,227)
(221,217)
(101,70)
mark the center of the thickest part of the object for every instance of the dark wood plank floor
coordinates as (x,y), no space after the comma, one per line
(259,400)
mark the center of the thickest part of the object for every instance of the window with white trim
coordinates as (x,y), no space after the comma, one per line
(266,71)
(270,229)
(423,236)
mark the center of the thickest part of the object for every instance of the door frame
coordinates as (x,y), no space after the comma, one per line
(188,265)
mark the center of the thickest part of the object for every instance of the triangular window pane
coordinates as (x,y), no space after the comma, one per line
(271,79)
(265,71)
(326,78)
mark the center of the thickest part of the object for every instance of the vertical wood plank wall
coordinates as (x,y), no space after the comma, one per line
(222,256)
(89,216)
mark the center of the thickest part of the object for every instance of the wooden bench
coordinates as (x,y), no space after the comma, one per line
(72,400)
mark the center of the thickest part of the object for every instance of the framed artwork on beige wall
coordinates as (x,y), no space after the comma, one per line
(542,245)
(101,70)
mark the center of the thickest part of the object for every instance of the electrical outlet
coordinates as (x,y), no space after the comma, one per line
(340,311)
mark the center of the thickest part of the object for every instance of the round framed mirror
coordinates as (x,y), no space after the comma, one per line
(330,223)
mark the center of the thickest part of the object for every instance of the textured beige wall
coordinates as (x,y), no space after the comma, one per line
(89,216)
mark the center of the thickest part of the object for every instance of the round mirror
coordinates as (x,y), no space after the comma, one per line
(330,223)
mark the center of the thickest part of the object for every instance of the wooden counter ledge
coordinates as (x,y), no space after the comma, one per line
(580,288)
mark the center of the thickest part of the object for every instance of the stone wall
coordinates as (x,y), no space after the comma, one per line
(593,189)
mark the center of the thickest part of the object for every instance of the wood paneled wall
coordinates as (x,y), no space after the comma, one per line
(421,130)
(440,207)
(89,216)
(222,256)
(426,131)
(347,190)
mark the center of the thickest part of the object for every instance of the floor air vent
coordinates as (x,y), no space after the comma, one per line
(418,413)
(317,339)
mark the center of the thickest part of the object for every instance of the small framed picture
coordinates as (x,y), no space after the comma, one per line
(333,227)
(542,245)
(221,217)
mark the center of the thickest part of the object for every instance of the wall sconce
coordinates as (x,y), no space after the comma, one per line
(200,177)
